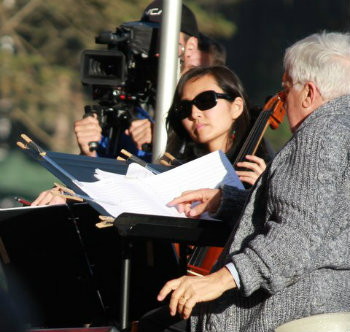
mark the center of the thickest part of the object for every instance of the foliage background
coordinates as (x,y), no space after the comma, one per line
(41,42)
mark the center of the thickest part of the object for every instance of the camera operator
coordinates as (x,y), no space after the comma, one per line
(137,138)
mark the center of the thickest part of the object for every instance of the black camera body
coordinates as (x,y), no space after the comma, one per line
(122,76)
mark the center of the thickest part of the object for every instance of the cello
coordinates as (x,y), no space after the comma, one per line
(202,259)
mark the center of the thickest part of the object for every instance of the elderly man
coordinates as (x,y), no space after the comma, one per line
(288,255)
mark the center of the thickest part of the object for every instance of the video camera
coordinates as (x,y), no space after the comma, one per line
(122,77)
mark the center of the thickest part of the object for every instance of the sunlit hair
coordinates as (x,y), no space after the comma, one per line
(324,59)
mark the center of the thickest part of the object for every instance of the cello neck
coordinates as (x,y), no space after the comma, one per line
(254,137)
(272,114)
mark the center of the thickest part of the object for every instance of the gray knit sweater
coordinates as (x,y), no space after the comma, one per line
(291,244)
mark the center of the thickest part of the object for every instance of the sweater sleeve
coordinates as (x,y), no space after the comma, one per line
(232,203)
(309,215)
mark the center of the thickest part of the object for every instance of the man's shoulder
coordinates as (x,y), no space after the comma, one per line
(332,118)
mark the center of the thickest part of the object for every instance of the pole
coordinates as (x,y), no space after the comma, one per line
(167,72)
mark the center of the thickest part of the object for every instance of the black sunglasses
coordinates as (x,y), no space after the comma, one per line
(203,101)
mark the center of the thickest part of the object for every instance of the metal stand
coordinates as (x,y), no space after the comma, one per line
(125,280)
(125,284)
(181,230)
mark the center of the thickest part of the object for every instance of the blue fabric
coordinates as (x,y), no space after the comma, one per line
(125,141)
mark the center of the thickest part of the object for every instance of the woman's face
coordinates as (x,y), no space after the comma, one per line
(211,127)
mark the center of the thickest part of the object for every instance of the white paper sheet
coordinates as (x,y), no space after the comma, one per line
(141,192)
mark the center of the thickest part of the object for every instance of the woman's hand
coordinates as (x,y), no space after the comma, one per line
(187,291)
(207,199)
(48,197)
(256,166)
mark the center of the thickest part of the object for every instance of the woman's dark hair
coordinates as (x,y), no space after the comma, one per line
(231,85)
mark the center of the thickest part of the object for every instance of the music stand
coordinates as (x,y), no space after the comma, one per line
(46,266)
(182,230)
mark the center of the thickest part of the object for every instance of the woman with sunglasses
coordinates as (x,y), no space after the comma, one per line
(210,112)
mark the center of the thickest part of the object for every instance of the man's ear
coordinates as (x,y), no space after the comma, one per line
(191,46)
(307,95)
(312,97)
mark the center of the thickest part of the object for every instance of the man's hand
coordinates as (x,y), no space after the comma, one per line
(207,199)
(256,166)
(187,291)
(87,130)
(141,132)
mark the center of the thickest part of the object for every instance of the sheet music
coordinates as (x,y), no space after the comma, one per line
(149,194)
(118,195)
(134,171)
(208,171)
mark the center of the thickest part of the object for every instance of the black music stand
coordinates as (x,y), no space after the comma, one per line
(57,261)
(46,266)
(182,230)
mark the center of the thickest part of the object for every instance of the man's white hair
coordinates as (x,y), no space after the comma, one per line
(324,59)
